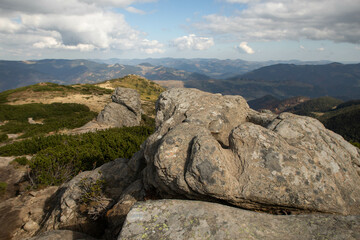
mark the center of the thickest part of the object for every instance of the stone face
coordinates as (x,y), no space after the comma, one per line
(62,235)
(179,219)
(127,97)
(20,217)
(208,146)
(117,214)
(125,110)
(67,212)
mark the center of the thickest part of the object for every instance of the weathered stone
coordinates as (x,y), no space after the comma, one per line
(208,146)
(69,213)
(62,235)
(117,214)
(179,219)
(20,217)
(125,110)
(127,97)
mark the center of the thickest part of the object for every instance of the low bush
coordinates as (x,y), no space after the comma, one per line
(356,144)
(61,157)
(3,137)
(21,161)
(3,187)
(54,117)
(93,199)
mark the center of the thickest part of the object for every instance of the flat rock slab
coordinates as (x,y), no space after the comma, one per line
(62,235)
(182,219)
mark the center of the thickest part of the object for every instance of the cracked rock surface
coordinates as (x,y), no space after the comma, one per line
(123,111)
(215,148)
(179,219)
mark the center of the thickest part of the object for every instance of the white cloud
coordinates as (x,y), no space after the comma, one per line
(50,42)
(135,10)
(243,47)
(151,46)
(8,26)
(334,20)
(193,42)
(79,25)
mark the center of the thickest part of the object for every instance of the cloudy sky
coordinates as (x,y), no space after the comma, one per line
(245,29)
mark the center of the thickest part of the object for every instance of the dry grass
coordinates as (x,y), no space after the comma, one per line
(95,102)
(170,83)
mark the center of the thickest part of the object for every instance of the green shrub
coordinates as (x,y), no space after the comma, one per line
(356,144)
(61,157)
(21,161)
(93,199)
(3,187)
(54,116)
(3,137)
(147,121)
(91,190)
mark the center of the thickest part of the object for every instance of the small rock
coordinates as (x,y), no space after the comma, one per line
(31,226)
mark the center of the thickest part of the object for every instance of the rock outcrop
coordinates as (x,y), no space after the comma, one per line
(179,219)
(72,211)
(213,147)
(123,111)
(21,217)
(62,235)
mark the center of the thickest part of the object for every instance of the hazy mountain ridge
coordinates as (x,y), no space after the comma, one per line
(14,74)
(212,67)
(281,80)
(289,80)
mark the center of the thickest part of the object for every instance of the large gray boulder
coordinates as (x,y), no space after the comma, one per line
(123,111)
(179,219)
(212,147)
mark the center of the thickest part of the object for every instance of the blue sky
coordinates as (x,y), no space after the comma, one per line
(254,30)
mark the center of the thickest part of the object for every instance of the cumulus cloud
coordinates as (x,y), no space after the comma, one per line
(334,20)
(193,42)
(50,42)
(243,47)
(83,25)
(151,46)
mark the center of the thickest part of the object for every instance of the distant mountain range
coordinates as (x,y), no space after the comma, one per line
(212,67)
(289,80)
(279,80)
(14,74)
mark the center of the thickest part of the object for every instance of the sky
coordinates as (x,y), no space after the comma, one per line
(253,30)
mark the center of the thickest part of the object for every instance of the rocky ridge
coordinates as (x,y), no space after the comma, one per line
(214,148)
